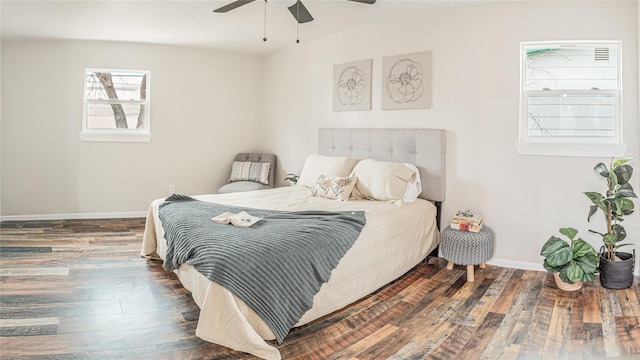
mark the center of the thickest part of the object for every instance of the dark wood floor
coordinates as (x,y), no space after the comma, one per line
(79,290)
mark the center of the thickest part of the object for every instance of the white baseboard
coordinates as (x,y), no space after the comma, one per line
(517,264)
(75,216)
(528,265)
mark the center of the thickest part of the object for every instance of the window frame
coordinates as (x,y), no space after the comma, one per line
(591,146)
(116,135)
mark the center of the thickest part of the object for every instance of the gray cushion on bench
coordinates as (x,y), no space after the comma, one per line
(239,186)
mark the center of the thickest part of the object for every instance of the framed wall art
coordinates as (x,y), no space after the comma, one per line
(352,86)
(406,81)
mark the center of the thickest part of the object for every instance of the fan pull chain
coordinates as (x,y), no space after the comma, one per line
(265,22)
(297,22)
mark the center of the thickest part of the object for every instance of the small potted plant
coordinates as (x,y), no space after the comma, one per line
(616,267)
(571,262)
(292,178)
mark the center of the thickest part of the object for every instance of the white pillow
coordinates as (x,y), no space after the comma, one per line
(317,165)
(333,187)
(381,180)
(414,188)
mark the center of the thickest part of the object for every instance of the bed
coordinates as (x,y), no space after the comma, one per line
(397,235)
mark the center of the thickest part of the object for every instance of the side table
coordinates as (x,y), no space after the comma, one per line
(467,248)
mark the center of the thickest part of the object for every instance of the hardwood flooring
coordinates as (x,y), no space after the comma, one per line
(78,289)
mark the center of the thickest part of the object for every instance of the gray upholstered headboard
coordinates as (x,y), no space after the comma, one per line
(423,147)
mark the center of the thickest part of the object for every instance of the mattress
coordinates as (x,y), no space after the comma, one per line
(397,236)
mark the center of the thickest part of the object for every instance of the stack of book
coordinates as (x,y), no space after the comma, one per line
(467,221)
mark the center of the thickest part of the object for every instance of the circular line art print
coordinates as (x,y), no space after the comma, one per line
(405,81)
(351,86)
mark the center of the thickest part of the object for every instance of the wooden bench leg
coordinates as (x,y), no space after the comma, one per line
(449,265)
(470,276)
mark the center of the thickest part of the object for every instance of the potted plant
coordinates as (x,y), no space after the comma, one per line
(571,263)
(292,178)
(616,268)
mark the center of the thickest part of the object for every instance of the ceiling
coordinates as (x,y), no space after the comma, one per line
(194,24)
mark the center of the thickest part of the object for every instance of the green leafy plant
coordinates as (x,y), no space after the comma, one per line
(575,260)
(293,178)
(615,203)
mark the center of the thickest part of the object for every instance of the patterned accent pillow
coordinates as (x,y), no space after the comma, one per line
(250,171)
(333,187)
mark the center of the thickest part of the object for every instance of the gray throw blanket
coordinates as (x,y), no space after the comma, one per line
(276,266)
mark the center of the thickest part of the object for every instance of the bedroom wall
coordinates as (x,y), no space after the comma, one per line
(202,114)
(475,87)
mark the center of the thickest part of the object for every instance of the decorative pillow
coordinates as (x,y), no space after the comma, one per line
(250,171)
(333,187)
(414,188)
(381,180)
(317,165)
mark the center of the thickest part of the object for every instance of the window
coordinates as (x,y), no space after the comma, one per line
(116,105)
(570,99)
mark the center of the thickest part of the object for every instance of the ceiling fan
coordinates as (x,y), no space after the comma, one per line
(297,9)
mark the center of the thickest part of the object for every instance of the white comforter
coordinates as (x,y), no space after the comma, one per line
(395,239)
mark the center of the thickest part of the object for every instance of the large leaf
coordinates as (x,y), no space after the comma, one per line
(569,232)
(626,190)
(597,199)
(560,257)
(613,179)
(592,210)
(582,248)
(551,268)
(574,273)
(623,173)
(588,263)
(553,245)
(619,231)
(609,239)
(621,161)
(602,170)
(622,206)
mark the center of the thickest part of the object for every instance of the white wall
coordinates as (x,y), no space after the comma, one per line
(525,199)
(204,109)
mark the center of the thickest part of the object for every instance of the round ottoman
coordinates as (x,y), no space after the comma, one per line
(467,248)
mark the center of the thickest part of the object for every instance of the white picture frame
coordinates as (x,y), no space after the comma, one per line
(406,81)
(352,86)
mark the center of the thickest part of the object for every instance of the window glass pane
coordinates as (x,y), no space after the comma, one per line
(566,115)
(103,116)
(571,67)
(115,85)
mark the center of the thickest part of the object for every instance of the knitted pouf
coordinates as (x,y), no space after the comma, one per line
(467,248)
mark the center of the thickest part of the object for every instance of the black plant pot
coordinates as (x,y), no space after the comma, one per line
(617,274)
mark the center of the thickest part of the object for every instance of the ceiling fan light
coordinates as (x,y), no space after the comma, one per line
(283,3)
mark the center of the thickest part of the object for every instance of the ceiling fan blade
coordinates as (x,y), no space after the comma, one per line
(365,1)
(232,6)
(300,12)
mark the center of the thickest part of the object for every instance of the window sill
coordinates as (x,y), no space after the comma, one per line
(115,136)
(564,149)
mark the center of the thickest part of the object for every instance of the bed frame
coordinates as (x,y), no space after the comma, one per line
(423,147)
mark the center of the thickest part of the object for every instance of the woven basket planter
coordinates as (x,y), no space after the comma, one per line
(566,286)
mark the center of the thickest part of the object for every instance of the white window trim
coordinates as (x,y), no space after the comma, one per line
(122,135)
(568,146)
